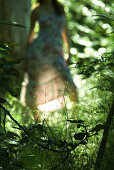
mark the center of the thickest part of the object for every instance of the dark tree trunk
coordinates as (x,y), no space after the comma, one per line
(105,156)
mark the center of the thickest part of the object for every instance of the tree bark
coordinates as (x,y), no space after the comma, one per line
(16,11)
(105,156)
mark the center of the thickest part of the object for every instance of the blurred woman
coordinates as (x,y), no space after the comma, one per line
(48,75)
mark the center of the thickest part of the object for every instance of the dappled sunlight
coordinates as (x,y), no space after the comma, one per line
(98,3)
(78,81)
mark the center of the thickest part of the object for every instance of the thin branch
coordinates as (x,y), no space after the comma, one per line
(27,133)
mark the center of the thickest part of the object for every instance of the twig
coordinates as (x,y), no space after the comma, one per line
(27,133)
(4,121)
(8,113)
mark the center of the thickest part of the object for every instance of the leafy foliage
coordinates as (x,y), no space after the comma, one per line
(8,73)
(35,140)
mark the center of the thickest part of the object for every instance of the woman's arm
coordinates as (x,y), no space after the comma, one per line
(31,35)
(34,18)
(67,42)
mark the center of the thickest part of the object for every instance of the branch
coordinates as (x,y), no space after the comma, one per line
(27,133)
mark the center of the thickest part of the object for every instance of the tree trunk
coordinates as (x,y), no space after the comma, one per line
(105,156)
(16,11)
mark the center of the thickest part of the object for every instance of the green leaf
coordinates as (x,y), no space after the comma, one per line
(97,128)
(3,52)
(80,125)
(12,24)
(79,136)
(75,121)
(12,135)
(4,47)
(2,100)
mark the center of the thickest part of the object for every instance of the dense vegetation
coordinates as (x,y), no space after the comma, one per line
(68,138)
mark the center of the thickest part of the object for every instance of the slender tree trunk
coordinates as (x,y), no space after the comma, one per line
(105,156)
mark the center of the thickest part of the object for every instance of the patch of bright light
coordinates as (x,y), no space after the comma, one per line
(75,37)
(104,42)
(78,81)
(69,105)
(86,11)
(101,51)
(85,43)
(107,9)
(82,55)
(87,30)
(36,29)
(98,53)
(66,56)
(73,51)
(51,106)
(66,9)
(105,26)
(98,3)
(89,51)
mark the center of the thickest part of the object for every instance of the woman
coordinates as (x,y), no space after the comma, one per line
(48,75)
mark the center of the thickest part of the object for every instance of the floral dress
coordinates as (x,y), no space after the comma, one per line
(48,74)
